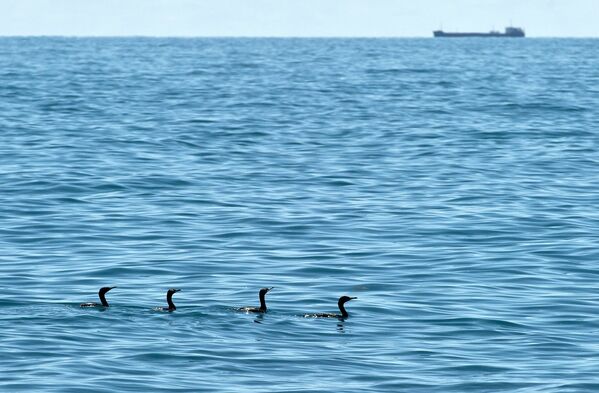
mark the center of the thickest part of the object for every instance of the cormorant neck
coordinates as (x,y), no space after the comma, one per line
(344,313)
(262,302)
(169,300)
(103,300)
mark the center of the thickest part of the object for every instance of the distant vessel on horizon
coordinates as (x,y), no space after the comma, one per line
(509,32)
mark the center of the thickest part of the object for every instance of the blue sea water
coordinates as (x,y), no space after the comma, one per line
(451,185)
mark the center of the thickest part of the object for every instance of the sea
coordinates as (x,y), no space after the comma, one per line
(451,185)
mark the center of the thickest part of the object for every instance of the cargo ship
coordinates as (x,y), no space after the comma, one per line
(509,32)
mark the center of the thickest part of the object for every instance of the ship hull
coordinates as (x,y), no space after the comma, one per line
(440,33)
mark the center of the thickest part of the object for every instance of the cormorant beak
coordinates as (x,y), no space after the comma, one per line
(176,290)
(352,298)
(268,289)
(112,287)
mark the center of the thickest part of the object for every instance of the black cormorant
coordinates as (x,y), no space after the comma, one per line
(262,308)
(344,314)
(101,294)
(169,300)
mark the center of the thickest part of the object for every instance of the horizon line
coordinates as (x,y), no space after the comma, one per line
(258,36)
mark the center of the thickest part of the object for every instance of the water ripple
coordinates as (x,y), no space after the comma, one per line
(449,185)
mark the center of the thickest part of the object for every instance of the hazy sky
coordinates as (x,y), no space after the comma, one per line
(411,18)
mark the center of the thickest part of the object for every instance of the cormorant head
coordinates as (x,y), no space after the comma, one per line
(172,291)
(345,299)
(103,290)
(264,291)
